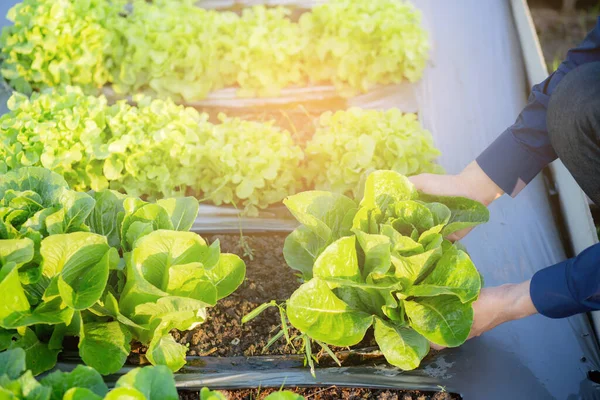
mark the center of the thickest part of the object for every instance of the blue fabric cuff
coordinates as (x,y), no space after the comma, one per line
(551,295)
(509,164)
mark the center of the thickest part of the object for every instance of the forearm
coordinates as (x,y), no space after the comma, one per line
(479,185)
(518,303)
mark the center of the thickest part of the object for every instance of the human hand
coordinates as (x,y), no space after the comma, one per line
(497,305)
(472,183)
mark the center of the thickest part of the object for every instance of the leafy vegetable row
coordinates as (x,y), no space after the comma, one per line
(158,148)
(177,49)
(383,263)
(147,383)
(104,268)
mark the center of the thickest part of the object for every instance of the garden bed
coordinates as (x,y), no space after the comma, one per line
(267,278)
(332,393)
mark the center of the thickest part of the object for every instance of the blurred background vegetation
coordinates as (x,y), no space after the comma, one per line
(562,24)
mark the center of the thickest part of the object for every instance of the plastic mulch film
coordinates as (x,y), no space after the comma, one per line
(224,4)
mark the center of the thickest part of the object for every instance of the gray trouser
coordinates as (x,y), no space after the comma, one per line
(573,122)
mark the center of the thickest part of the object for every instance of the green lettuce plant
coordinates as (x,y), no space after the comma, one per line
(16,382)
(358,44)
(383,263)
(102,267)
(57,42)
(178,50)
(153,149)
(350,144)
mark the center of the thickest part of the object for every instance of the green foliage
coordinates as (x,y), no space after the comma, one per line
(389,267)
(102,267)
(148,383)
(178,50)
(358,44)
(348,145)
(57,42)
(154,149)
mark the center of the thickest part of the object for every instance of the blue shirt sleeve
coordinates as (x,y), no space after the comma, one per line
(524,149)
(570,287)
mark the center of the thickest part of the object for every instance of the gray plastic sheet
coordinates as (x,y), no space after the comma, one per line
(473,88)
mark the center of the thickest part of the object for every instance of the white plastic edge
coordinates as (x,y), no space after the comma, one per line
(574,203)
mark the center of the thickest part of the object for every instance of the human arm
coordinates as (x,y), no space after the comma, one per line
(524,148)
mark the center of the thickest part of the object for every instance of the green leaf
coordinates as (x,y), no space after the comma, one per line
(81,377)
(81,261)
(328,215)
(39,358)
(164,350)
(6,337)
(377,250)
(315,310)
(47,184)
(283,395)
(443,320)
(142,213)
(300,250)
(125,393)
(155,383)
(12,363)
(13,302)
(105,217)
(339,260)
(383,188)
(182,211)
(18,251)
(227,275)
(104,346)
(155,258)
(80,394)
(465,213)
(454,274)
(411,215)
(207,394)
(75,209)
(403,245)
(401,346)
(412,267)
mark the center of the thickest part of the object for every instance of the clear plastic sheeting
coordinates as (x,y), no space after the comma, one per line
(402,96)
(213,219)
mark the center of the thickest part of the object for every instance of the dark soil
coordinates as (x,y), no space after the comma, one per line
(267,278)
(334,393)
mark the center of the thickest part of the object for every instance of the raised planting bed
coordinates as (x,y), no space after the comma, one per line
(267,278)
(331,393)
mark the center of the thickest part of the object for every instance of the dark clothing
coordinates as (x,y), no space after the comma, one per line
(573,286)
(562,118)
(524,149)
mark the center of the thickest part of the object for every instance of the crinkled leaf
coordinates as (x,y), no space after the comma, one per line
(465,213)
(401,346)
(339,260)
(443,320)
(454,274)
(315,310)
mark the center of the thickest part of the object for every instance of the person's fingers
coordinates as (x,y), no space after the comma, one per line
(456,236)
